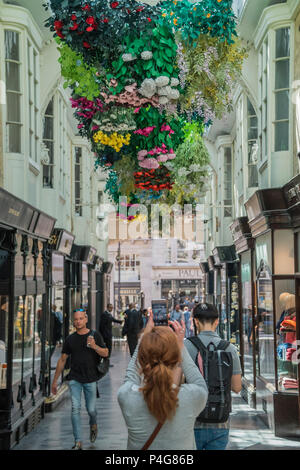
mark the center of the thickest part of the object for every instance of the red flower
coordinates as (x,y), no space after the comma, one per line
(90,20)
(74,27)
(105,20)
(60,34)
(86,45)
(128,11)
(58,24)
(114,4)
(73,17)
(86,8)
(140,9)
(90,29)
(149,19)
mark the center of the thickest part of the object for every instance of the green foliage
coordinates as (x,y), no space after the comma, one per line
(79,76)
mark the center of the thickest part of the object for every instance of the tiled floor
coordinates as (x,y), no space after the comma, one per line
(55,431)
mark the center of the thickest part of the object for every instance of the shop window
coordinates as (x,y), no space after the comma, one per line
(285,315)
(28,334)
(62,145)
(247,324)
(56,326)
(48,140)
(282,88)
(264,327)
(38,333)
(13,91)
(263,250)
(284,252)
(18,335)
(3,328)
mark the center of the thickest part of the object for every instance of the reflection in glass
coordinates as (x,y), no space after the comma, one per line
(28,334)
(56,326)
(38,334)
(223,314)
(3,328)
(264,324)
(247,316)
(18,328)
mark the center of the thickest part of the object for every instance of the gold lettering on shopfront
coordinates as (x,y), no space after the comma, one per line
(14,212)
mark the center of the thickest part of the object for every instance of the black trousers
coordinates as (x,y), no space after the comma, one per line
(132,340)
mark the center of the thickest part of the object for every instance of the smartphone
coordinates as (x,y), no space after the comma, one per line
(160,312)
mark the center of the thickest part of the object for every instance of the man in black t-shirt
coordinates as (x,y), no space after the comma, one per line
(83,349)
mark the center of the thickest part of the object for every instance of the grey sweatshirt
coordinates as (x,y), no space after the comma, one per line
(177,433)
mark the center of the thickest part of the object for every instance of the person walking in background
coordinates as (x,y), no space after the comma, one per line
(145,317)
(176,314)
(84,349)
(132,326)
(105,327)
(152,392)
(188,321)
(213,434)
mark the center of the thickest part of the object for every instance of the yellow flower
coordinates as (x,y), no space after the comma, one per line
(172,13)
(175,21)
(208,15)
(164,15)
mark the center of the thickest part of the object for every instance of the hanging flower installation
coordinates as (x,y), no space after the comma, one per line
(145,82)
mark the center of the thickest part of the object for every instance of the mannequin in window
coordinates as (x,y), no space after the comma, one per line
(288,325)
(282,300)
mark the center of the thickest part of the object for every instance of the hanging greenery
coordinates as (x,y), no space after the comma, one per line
(145,82)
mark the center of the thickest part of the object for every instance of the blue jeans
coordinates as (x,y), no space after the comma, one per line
(211,439)
(90,394)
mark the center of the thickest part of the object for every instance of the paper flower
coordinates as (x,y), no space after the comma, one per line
(148,88)
(162,81)
(146,55)
(128,57)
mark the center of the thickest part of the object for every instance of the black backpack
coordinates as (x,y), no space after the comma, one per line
(217,372)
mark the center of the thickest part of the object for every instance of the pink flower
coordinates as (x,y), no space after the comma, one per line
(149,163)
(80,126)
(162,158)
(137,110)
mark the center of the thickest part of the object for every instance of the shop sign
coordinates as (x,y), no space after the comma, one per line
(61,241)
(292,194)
(187,273)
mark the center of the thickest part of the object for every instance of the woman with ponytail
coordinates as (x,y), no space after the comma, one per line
(153,394)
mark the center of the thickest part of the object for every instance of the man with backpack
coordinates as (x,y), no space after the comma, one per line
(219,363)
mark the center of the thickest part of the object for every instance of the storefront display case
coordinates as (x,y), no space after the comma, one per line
(229,327)
(59,246)
(24,234)
(244,245)
(276,319)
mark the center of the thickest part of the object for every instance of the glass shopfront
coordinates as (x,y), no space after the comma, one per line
(223,325)
(247,319)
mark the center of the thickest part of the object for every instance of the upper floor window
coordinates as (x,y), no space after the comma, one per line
(263,98)
(13,91)
(227,182)
(62,144)
(182,252)
(282,88)
(33,106)
(78,181)
(48,139)
(252,128)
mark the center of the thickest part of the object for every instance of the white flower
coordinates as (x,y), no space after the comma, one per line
(195,167)
(163,100)
(183,172)
(173,94)
(164,91)
(146,55)
(162,81)
(128,57)
(174,81)
(148,88)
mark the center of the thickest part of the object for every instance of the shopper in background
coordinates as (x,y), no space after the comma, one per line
(176,314)
(145,317)
(132,326)
(152,392)
(188,321)
(213,436)
(84,350)
(105,327)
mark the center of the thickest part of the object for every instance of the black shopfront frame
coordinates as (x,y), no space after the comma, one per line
(24,233)
(269,211)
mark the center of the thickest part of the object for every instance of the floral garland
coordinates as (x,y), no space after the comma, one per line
(145,82)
